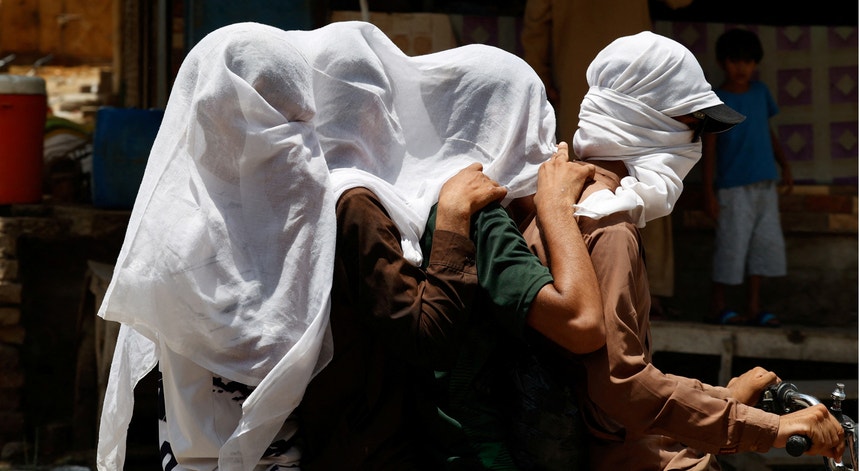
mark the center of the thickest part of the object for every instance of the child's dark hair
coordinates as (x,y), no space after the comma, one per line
(739,44)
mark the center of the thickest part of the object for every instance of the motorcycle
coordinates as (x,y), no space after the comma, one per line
(783,398)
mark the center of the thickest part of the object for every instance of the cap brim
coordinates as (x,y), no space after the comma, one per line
(721,118)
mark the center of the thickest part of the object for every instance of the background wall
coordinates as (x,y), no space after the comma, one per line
(811,71)
(79,31)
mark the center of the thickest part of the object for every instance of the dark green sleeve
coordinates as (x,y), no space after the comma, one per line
(509,274)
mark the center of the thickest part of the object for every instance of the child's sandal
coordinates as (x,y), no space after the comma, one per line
(766,319)
(728,317)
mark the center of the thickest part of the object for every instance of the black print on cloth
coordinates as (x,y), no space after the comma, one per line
(237,393)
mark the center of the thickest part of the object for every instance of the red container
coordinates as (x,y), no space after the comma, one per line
(23,111)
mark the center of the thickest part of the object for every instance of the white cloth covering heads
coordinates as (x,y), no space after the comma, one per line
(637,84)
(226,267)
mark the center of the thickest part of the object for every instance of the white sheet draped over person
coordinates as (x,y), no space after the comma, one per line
(226,267)
(627,115)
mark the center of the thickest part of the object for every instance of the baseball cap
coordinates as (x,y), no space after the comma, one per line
(718,118)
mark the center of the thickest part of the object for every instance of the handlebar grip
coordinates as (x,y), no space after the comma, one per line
(797,444)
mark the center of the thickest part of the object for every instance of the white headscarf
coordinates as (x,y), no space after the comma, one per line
(637,84)
(227,262)
(409,123)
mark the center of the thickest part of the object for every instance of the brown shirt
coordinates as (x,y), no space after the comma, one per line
(640,418)
(387,317)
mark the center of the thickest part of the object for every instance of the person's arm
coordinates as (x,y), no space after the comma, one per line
(782,161)
(516,280)
(825,432)
(817,424)
(536,39)
(631,392)
(416,312)
(462,196)
(709,164)
(569,311)
(626,390)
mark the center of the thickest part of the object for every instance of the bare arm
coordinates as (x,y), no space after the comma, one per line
(819,425)
(709,160)
(748,387)
(569,311)
(814,422)
(464,194)
(785,167)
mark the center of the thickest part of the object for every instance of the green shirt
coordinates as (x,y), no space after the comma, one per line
(474,393)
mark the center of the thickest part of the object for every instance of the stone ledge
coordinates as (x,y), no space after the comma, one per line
(14,335)
(10,400)
(56,221)
(11,422)
(10,293)
(12,379)
(8,269)
(10,316)
(727,342)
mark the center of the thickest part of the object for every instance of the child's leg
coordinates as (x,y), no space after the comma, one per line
(753,290)
(732,233)
(718,298)
(767,252)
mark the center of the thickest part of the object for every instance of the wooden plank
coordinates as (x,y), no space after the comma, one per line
(79,29)
(20,28)
(688,338)
(790,342)
(727,342)
(74,31)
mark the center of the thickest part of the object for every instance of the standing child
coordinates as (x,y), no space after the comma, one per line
(740,176)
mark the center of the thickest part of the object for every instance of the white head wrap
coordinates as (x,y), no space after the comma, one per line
(227,261)
(637,84)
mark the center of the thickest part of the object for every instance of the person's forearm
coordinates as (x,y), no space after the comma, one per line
(778,154)
(709,157)
(700,418)
(453,221)
(569,311)
(782,161)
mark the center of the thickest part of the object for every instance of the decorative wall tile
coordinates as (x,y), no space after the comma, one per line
(843,84)
(793,38)
(480,30)
(843,140)
(794,87)
(502,32)
(692,35)
(797,141)
(842,37)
